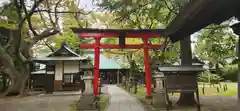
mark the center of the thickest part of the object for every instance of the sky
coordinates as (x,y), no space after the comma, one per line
(3,1)
(87,4)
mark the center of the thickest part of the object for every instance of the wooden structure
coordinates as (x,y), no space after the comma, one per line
(198,14)
(178,79)
(98,34)
(110,71)
(112,76)
(63,70)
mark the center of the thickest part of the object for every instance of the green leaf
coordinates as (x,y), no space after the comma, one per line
(236,61)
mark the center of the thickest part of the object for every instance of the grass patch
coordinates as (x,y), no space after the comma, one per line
(103,102)
(209,91)
(73,107)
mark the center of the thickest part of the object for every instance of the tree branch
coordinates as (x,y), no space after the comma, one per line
(5,7)
(43,35)
(55,9)
(28,19)
(49,46)
(8,43)
(49,11)
(21,22)
(49,14)
(30,13)
(76,18)
(43,20)
(170,9)
(5,59)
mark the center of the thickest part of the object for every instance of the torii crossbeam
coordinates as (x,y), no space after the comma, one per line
(144,34)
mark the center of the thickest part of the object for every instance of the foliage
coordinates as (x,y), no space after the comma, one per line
(138,14)
(151,13)
(230,72)
(216,45)
(236,61)
(104,99)
(34,22)
(210,77)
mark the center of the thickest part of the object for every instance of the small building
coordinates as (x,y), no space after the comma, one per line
(111,72)
(63,70)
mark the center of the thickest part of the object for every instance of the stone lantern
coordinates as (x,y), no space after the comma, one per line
(197,62)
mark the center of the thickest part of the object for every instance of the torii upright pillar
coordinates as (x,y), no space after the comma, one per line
(96,65)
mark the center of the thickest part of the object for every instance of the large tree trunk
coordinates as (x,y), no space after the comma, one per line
(17,70)
(186,59)
(17,83)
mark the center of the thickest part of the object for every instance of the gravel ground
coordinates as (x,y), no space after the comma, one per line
(39,103)
(212,103)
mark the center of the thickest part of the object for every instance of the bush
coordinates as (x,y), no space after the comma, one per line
(230,73)
(214,78)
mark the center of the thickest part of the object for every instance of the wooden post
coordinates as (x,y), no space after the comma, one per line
(96,66)
(186,98)
(147,67)
(50,72)
(238,51)
(118,77)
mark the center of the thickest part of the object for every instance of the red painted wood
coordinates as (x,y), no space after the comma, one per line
(96,66)
(116,35)
(96,46)
(117,46)
(147,68)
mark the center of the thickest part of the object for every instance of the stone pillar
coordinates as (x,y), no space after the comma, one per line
(159,98)
(88,84)
(86,103)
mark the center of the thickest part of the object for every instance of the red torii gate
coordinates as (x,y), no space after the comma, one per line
(145,34)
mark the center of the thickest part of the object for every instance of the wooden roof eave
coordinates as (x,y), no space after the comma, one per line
(196,15)
(64,47)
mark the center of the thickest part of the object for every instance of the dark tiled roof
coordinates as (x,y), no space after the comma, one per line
(64,49)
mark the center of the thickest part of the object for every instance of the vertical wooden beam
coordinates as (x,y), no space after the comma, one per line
(185,51)
(238,54)
(147,67)
(118,76)
(96,66)
(186,98)
(49,86)
(62,71)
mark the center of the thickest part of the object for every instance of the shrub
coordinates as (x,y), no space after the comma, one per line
(230,73)
(206,76)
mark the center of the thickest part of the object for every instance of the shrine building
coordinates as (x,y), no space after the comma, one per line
(63,70)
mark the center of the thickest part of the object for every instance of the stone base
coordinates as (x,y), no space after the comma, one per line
(86,103)
(159,101)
